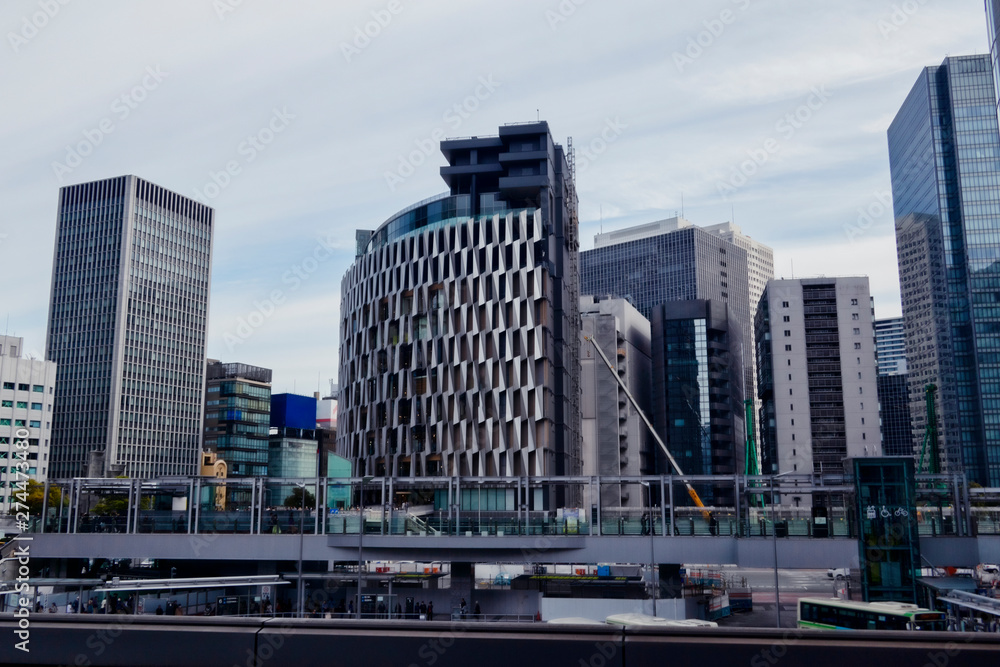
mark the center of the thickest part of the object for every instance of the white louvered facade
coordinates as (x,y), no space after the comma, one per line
(446,363)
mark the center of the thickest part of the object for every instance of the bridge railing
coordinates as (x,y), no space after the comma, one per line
(628,506)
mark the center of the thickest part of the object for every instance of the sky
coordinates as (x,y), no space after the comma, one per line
(301,121)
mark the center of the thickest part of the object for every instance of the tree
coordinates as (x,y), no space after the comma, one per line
(33,498)
(295,500)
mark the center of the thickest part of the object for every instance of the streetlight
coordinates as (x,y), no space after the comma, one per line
(361,536)
(301,591)
(652,557)
(774,540)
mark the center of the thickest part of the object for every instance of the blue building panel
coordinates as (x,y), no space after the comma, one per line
(293,411)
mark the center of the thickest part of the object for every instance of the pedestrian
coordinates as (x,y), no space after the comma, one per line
(476,611)
(350,608)
(463,608)
(430,610)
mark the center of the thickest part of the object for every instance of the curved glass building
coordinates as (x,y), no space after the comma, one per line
(460,322)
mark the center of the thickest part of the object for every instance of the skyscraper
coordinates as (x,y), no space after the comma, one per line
(943,148)
(993,30)
(127,321)
(460,321)
(697,390)
(816,363)
(673,260)
(893,395)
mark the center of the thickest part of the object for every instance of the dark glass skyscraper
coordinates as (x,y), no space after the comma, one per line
(893,395)
(944,148)
(127,321)
(697,389)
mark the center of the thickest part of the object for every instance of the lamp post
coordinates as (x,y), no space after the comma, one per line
(652,557)
(361,537)
(302,513)
(774,540)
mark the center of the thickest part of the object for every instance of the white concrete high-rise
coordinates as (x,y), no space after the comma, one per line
(817,383)
(26,395)
(615,439)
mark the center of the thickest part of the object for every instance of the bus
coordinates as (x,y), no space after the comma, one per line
(836,614)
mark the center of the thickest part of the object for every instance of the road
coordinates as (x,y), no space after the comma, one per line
(793,584)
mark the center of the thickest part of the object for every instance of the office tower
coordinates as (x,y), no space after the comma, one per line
(697,390)
(25,417)
(816,363)
(460,329)
(893,396)
(238,416)
(993,31)
(293,450)
(890,345)
(673,260)
(943,147)
(127,319)
(615,439)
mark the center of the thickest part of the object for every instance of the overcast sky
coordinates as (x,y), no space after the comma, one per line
(324,114)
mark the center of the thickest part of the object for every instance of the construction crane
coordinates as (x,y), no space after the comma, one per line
(645,420)
(930,434)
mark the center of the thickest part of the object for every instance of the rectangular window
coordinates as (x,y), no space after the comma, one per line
(23,387)
(857,331)
(8,385)
(7,404)
(23,405)
(786,318)
(788,348)
(784,304)
(36,406)
(854,302)
(857,346)
(787,333)
(19,422)
(4,422)
(855,316)
(34,423)
(38,388)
